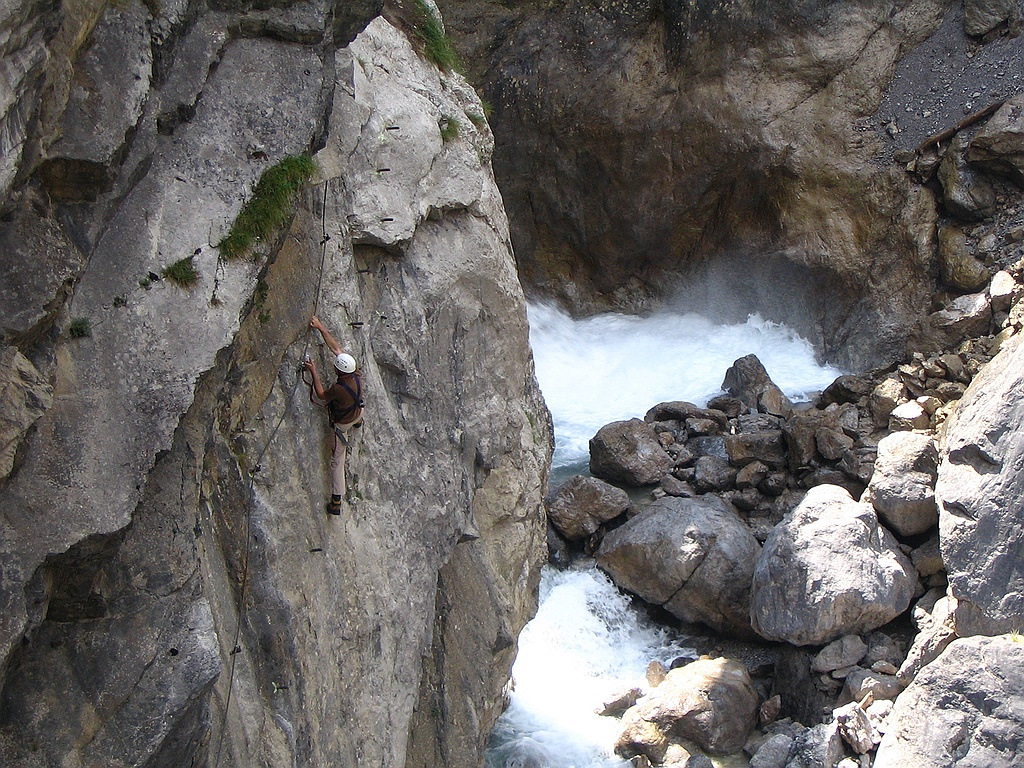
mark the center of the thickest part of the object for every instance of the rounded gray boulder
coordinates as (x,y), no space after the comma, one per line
(829,569)
(694,556)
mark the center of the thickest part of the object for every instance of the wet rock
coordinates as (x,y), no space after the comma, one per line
(714,474)
(711,702)
(958,267)
(727,404)
(934,617)
(618,704)
(695,557)
(558,548)
(751,475)
(679,410)
(579,506)
(673,486)
(830,551)
(971,699)
(844,652)
(701,427)
(628,453)
(773,485)
(980,477)
(748,381)
(766,447)
(902,488)
(709,446)
(832,444)
(846,389)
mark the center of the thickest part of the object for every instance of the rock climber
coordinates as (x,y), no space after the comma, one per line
(344,402)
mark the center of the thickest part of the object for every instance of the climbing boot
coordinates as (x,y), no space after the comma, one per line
(334,506)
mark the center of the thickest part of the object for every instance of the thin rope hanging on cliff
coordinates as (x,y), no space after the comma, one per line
(257,467)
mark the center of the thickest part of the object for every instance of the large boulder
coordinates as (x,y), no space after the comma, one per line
(965,709)
(710,701)
(829,569)
(748,381)
(979,490)
(902,488)
(694,556)
(579,506)
(628,452)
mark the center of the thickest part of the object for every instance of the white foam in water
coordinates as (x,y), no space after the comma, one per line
(585,645)
(586,642)
(612,367)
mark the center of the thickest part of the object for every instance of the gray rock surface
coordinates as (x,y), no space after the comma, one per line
(710,701)
(979,490)
(579,506)
(934,617)
(628,453)
(693,556)
(902,488)
(830,551)
(180,451)
(844,652)
(965,709)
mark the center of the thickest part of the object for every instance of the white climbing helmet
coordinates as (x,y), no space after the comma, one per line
(345,363)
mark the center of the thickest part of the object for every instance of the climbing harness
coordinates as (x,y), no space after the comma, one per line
(338,415)
(236,649)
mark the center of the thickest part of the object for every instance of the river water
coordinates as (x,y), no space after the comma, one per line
(587,642)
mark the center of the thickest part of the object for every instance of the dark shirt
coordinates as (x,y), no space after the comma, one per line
(340,401)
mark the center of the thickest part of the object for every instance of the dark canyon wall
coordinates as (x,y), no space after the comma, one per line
(722,156)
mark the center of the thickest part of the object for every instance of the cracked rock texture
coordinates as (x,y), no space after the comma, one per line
(979,490)
(172,591)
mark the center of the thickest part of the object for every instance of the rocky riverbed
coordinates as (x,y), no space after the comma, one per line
(852,532)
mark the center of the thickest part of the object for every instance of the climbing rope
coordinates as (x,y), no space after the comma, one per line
(257,467)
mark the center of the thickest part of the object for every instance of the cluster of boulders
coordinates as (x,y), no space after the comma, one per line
(814,525)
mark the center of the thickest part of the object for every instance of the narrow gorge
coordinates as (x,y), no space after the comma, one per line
(185,183)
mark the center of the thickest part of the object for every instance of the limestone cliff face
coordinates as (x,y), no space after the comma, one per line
(724,152)
(168,474)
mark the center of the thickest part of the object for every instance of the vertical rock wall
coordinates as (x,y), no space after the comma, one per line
(173,493)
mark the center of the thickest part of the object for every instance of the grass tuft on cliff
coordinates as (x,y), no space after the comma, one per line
(270,205)
(80,328)
(182,272)
(437,46)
